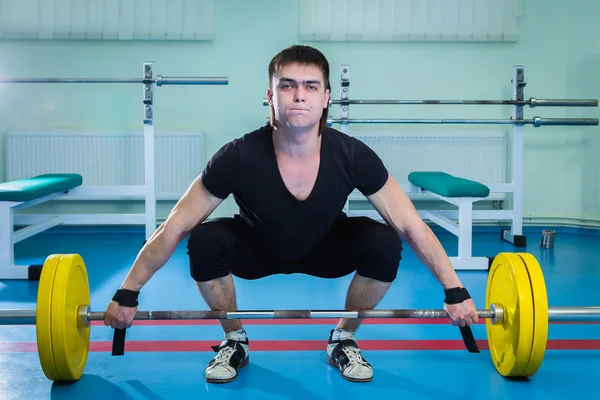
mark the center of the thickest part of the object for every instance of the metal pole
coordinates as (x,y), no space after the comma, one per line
(516,231)
(531,102)
(70,80)
(149,151)
(21,317)
(562,103)
(554,314)
(287,314)
(190,81)
(17,317)
(536,121)
(572,314)
(159,80)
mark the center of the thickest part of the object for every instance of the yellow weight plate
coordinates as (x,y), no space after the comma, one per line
(540,315)
(510,342)
(70,343)
(43,316)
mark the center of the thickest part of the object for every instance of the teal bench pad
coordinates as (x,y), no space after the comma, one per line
(38,186)
(447,185)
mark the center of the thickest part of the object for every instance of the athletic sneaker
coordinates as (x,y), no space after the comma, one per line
(343,353)
(232,354)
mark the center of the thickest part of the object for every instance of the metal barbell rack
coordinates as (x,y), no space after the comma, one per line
(514,187)
(148,81)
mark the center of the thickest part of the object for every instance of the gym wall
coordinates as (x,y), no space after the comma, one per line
(555,40)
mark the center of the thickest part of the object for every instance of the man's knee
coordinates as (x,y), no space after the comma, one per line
(207,250)
(383,254)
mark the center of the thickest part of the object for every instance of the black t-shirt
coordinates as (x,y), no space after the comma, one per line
(247,168)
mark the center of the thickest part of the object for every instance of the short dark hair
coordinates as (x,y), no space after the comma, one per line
(305,55)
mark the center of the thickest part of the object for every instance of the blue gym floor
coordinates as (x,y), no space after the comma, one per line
(158,370)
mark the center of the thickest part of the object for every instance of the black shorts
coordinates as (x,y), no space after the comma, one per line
(222,246)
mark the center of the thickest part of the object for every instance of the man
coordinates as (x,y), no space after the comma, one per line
(291,179)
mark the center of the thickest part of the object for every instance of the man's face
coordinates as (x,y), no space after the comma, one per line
(298,95)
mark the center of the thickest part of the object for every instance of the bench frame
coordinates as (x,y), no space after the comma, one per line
(463,229)
(8,236)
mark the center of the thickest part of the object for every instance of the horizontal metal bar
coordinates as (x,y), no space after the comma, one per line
(17,317)
(159,80)
(563,103)
(533,102)
(574,314)
(536,121)
(287,314)
(70,80)
(20,317)
(554,314)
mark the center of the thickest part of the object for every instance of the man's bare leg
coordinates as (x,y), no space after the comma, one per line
(219,295)
(363,294)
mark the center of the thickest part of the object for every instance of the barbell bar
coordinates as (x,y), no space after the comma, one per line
(28,317)
(516,315)
(532,102)
(569,314)
(158,80)
(535,121)
(495,313)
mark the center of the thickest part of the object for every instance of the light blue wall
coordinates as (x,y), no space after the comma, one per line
(559,47)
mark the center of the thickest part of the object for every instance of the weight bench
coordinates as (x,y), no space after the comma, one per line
(19,194)
(462,193)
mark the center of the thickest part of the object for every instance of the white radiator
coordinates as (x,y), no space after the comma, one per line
(482,157)
(108,158)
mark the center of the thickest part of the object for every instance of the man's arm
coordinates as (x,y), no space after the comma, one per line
(394,206)
(192,209)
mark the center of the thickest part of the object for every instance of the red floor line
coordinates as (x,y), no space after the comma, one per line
(297,345)
(320,321)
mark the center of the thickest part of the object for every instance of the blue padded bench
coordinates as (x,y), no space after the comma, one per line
(461,193)
(447,185)
(22,193)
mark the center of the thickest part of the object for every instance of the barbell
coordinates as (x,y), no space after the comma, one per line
(535,121)
(159,80)
(517,315)
(532,102)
